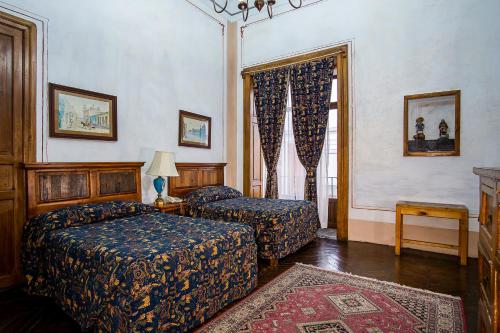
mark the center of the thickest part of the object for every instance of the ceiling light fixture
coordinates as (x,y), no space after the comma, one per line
(259,4)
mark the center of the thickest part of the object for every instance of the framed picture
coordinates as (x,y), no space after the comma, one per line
(194,130)
(432,124)
(81,114)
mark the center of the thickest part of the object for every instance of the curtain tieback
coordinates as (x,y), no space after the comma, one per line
(272,171)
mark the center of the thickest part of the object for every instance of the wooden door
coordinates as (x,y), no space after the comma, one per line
(16,138)
(253,173)
(256,161)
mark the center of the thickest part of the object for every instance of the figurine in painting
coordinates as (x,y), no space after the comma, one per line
(444,143)
(443,129)
(419,126)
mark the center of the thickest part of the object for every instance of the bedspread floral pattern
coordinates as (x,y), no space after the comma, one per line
(281,226)
(142,271)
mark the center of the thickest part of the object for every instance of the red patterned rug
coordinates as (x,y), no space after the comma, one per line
(308,299)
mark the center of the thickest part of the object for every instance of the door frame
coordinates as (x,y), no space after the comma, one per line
(29,33)
(341,54)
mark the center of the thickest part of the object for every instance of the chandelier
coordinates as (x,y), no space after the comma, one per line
(259,4)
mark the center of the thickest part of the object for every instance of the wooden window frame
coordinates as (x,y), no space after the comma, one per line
(342,106)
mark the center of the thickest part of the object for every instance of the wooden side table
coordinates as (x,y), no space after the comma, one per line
(177,208)
(459,212)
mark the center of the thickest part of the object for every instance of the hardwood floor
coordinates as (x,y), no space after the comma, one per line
(426,270)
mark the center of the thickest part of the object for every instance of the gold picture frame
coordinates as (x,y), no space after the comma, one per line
(435,119)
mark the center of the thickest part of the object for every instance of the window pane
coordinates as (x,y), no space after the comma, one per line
(332,153)
(334,91)
(291,173)
(289,97)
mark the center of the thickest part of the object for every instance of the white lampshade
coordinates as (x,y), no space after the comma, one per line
(163,165)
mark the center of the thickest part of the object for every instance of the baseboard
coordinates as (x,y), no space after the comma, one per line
(383,233)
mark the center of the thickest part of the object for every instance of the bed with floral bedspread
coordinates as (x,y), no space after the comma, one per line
(281,226)
(122,266)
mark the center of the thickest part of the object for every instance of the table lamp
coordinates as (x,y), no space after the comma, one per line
(163,165)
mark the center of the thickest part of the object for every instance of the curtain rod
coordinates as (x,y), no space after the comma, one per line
(289,62)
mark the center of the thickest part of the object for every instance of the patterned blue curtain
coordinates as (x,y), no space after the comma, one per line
(270,92)
(311,85)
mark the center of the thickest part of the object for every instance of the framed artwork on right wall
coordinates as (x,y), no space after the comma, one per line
(432,124)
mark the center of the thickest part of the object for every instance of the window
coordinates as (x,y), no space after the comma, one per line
(332,182)
(291,173)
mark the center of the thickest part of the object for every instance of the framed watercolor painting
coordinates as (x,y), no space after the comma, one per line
(432,124)
(195,130)
(81,114)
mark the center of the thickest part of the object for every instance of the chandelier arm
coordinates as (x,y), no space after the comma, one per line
(223,9)
(270,11)
(245,17)
(296,7)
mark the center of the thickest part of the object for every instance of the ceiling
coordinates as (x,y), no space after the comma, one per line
(232,12)
(232,6)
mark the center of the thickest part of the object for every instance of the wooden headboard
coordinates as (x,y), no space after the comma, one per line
(193,176)
(55,185)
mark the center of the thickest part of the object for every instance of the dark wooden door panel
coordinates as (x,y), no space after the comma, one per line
(256,191)
(332,213)
(6,94)
(6,177)
(10,123)
(15,99)
(7,228)
(257,156)
(256,161)
(252,164)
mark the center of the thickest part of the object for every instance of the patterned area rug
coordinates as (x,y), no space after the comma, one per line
(308,299)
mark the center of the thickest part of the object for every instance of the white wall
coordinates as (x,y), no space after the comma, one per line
(400,48)
(157,56)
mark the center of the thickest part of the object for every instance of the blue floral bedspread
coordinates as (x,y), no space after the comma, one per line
(281,226)
(122,266)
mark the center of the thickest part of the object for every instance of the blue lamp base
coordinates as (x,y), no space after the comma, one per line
(159,185)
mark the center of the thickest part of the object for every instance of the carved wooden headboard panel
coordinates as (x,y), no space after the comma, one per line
(55,185)
(193,176)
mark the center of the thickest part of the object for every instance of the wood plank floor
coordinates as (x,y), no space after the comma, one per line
(435,272)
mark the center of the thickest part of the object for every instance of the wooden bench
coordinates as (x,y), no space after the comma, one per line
(459,212)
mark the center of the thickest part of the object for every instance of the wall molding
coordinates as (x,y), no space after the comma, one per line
(224,73)
(213,18)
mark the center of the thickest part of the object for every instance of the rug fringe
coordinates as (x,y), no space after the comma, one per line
(380,281)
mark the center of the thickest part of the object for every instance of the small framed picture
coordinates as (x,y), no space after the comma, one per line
(81,114)
(195,130)
(432,124)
